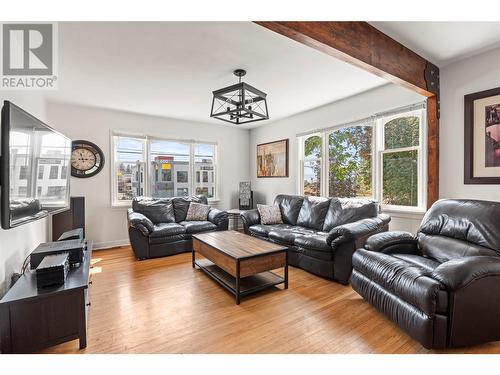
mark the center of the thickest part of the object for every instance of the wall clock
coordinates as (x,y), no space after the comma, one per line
(87,159)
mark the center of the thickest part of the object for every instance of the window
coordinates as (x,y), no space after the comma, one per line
(350,162)
(311,166)
(64,171)
(382,157)
(38,191)
(129,165)
(23,172)
(54,169)
(40,172)
(22,191)
(205,163)
(400,161)
(182,177)
(168,171)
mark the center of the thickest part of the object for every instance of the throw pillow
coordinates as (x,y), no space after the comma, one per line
(269,214)
(197,212)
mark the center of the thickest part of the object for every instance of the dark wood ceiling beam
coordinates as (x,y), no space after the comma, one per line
(362,45)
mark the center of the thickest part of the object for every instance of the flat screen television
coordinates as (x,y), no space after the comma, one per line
(34,168)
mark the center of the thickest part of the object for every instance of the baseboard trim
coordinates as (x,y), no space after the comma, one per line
(109,244)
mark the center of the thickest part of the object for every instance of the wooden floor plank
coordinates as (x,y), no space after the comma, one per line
(164,306)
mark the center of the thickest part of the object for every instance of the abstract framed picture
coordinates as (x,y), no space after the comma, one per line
(482,137)
(272,159)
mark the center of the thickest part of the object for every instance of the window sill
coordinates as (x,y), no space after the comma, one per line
(404,212)
(115,205)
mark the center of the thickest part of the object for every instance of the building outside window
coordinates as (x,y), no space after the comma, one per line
(23,172)
(182,176)
(382,158)
(182,192)
(54,171)
(40,172)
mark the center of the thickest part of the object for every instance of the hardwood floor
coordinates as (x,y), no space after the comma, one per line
(164,306)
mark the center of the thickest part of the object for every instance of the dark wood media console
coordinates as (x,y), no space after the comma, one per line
(32,319)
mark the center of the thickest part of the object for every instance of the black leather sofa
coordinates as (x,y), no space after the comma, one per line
(441,286)
(320,233)
(157,227)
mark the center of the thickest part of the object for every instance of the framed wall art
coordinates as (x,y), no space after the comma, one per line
(272,159)
(482,137)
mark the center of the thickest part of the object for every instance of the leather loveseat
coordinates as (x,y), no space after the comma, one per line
(321,233)
(157,227)
(441,286)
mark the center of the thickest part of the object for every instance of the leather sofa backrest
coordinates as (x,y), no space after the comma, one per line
(181,205)
(313,212)
(165,210)
(157,210)
(458,227)
(348,210)
(290,206)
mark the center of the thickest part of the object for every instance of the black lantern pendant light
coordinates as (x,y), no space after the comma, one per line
(239,103)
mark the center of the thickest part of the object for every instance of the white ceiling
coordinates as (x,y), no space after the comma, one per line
(444,42)
(171,68)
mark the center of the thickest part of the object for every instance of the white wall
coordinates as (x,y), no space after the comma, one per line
(106,225)
(477,73)
(16,243)
(347,110)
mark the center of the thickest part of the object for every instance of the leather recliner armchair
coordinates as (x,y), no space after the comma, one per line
(441,286)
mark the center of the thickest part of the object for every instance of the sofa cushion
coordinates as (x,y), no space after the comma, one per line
(169,239)
(290,206)
(157,210)
(444,248)
(263,230)
(288,236)
(313,211)
(269,214)
(313,241)
(346,210)
(197,212)
(198,226)
(181,207)
(311,253)
(167,229)
(471,221)
(403,278)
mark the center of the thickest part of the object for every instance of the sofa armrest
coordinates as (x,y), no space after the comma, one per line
(249,218)
(219,218)
(393,242)
(460,272)
(140,222)
(358,229)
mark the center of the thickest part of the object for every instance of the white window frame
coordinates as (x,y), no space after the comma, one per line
(421,161)
(377,123)
(147,169)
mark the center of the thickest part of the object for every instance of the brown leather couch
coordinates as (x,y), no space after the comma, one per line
(158,227)
(441,286)
(321,233)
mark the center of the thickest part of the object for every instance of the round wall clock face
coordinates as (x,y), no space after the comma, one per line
(87,159)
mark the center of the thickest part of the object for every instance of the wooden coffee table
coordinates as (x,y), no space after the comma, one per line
(240,263)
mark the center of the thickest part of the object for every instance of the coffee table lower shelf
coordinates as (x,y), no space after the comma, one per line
(248,284)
